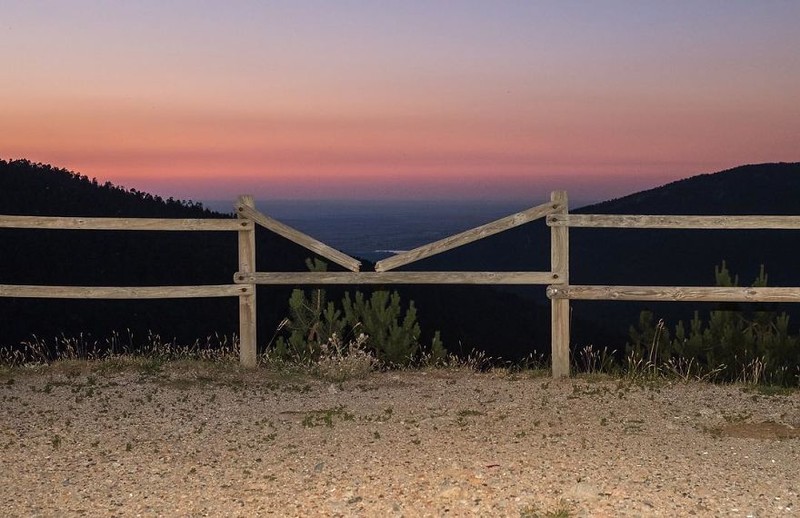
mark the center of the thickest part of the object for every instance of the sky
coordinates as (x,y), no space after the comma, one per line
(398,99)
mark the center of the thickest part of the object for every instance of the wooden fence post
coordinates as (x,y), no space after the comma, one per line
(247,301)
(559,265)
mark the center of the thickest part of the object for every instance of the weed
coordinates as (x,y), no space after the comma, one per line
(585,390)
(633,426)
(325,417)
(339,362)
(591,361)
(469,412)
(42,351)
(769,390)
(462,415)
(562,510)
(737,417)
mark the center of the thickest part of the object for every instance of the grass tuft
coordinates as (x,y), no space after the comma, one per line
(561,510)
(339,361)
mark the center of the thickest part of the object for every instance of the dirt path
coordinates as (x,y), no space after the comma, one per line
(189,442)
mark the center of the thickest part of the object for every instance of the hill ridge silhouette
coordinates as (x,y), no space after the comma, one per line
(61,192)
(755,189)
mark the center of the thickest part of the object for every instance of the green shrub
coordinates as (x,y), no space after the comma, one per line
(391,330)
(740,344)
(312,322)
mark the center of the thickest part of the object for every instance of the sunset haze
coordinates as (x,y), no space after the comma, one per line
(207,100)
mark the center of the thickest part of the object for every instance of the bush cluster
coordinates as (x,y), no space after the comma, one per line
(390,330)
(741,342)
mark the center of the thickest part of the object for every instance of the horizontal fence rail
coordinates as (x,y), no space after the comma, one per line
(130,292)
(320,278)
(675,293)
(675,222)
(166,224)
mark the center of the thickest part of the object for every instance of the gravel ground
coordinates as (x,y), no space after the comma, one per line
(197,440)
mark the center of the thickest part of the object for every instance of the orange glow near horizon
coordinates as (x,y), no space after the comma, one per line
(197,155)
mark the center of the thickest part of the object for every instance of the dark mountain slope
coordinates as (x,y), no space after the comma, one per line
(688,257)
(766,189)
(33,189)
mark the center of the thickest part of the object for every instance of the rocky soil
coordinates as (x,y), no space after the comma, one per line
(195,440)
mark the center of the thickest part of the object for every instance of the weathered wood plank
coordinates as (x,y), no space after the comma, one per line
(468,236)
(300,238)
(560,312)
(167,224)
(674,293)
(248,346)
(320,278)
(687,222)
(130,292)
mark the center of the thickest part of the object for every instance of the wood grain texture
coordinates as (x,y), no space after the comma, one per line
(687,222)
(468,236)
(674,293)
(165,224)
(560,308)
(130,292)
(300,238)
(248,316)
(320,278)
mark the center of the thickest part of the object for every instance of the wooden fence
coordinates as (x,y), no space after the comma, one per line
(383,273)
(565,292)
(559,290)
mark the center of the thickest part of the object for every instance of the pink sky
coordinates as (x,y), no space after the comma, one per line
(400,99)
